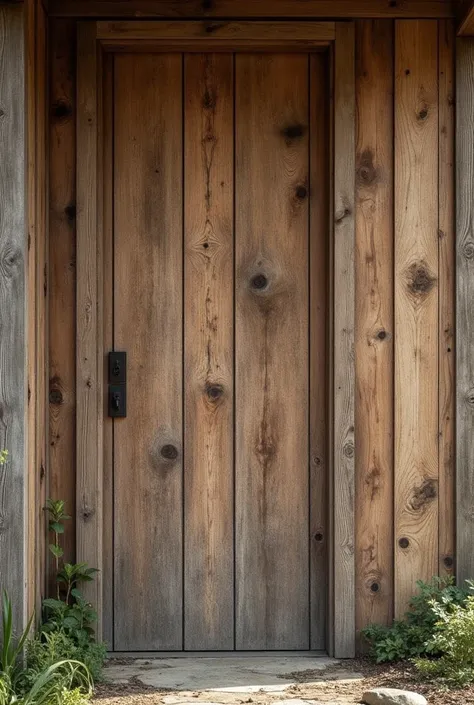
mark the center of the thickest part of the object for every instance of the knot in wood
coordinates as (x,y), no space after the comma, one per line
(55,396)
(423,114)
(423,495)
(468,250)
(213,27)
(448,561)
(470,398)
(70,212)
(207,5)
(382,334)
(301,192)
(420,280)
(342,213)
(10,261)
(366,172)
(87,512)
(293,132)
(259,282)
(319,536)
(169,452)
(403,542)
(214,391)
(375,587)
(61,110)
(348,449)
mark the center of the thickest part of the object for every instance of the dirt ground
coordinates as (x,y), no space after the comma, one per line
(329,691)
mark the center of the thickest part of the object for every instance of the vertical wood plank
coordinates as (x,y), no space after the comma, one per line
(148,322)
(343,340)
(13,254)
(208,360)
(416,306)
(62,278)
(89,454)
(464,308)
(446,39)
(374,322)
(318,306)
(41,319)
(62,273)
(271,207)
(108,323)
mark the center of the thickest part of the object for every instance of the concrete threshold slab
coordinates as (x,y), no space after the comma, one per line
(269,673)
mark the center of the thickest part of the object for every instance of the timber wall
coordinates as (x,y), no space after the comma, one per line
(404,329)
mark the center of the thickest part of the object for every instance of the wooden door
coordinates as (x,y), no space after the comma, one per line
(218,294)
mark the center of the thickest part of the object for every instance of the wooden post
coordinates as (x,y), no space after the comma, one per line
(13,343)
(464,309)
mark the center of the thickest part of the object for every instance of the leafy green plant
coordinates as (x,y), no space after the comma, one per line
(453,641)
(3,456)
(49,647)
(20,685)
(412,636)
(70,616)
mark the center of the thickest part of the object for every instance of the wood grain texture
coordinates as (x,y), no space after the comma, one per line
(464,309)
(416,307)
(465,17)
(236,32)
(319,191)
(195,9)
(208,359)
(272,111)
(343,340)
(13,351)
(446,39)
(108,324)
(89,417)
(148,310)
(62,274)
(374,322)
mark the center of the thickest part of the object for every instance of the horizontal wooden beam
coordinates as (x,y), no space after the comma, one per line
(250,9)
(217,34)
(466,18)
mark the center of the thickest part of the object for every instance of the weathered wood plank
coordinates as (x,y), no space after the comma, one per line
(374,322)
(108,323)
(319,190)
(416,307)
(148,311)
(447,515)
(464,308)
(62,273)
(343,341)
(89,416)
(196,9)
(208,359)
(271,442)
(13,350)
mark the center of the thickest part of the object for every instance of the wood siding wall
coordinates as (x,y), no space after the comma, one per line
(403,501)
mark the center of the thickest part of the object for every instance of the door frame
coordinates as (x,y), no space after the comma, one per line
(94,41)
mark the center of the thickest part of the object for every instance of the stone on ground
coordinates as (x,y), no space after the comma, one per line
(392,696)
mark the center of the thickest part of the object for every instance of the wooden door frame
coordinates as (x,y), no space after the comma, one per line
(94,40)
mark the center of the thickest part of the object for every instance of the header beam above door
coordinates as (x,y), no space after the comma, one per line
(250,9)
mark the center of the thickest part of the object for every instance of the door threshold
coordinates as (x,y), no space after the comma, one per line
(213,654)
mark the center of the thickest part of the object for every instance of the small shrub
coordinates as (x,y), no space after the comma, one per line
(47,648)
(453,640)
(412,637)
(48,685)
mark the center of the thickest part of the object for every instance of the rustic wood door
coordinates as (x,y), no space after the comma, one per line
(218,269)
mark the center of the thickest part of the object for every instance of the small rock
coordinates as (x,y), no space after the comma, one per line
(392,696)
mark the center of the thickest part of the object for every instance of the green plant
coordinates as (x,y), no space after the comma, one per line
(20,685)
(49,647)
(3,456)
(453,641)
(70,616)
(412,636)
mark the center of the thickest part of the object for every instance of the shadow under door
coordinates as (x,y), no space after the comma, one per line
(216,287)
